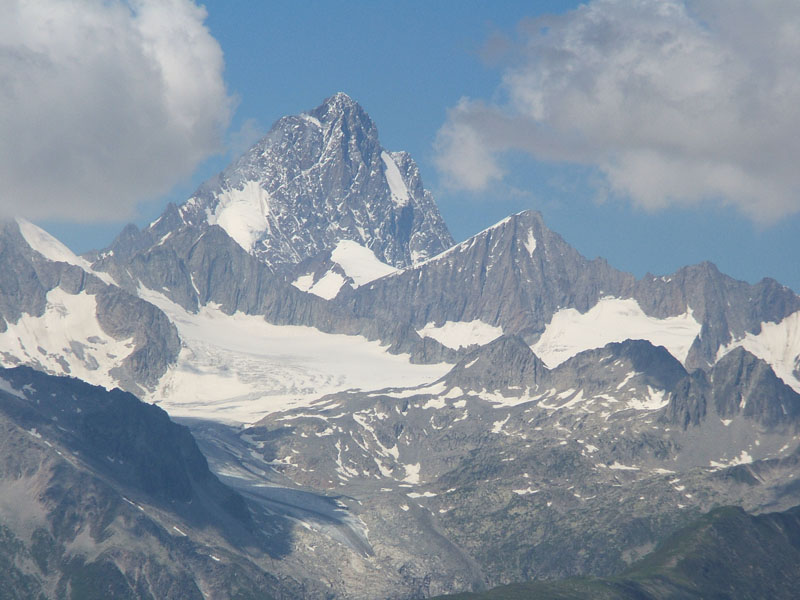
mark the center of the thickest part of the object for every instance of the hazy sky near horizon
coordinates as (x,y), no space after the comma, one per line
(654,133)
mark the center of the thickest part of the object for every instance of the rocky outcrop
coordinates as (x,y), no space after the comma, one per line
(29,277)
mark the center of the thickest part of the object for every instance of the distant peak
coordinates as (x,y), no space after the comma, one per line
(339,103)
(340,99)
(342,108)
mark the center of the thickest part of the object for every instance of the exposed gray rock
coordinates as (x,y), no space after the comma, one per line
(594,370)
(515,274)
(505,364)
(739,384)
(746,385)
(577,470)
(27,277)
(104,496)
(726,308)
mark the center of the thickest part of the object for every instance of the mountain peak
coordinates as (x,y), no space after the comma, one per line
(505,363)
(341,109)
(314,180)
(340,101)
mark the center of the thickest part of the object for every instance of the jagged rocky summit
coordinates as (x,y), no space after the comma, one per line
(314,180)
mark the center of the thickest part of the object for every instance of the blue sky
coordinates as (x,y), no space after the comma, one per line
(410,64)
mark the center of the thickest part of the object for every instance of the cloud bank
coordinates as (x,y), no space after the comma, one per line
(674,102)
(104,103)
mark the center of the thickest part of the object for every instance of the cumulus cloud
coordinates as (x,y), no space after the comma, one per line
(104,103)
(673,101)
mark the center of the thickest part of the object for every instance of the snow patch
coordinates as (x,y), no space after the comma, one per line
(617,466)
(530,243)
(66,340)
(394,178)
(497,426)
(412,473)
(655,400)
(313,120)
(435,403)
(360,263)
(5,386)
(460,334)
(242,213)
(743,459)
(613,320)
(328,285)
(304,282)
(778,344)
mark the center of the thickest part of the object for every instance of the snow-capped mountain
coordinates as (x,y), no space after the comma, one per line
(518,277)
(314,180)
(426,417)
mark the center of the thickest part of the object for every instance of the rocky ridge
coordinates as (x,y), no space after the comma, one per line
(59,316)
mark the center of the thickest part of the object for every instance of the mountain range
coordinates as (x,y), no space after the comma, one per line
(368,409)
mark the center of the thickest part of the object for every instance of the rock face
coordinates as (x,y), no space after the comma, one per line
(725,553)
(103,496)
(739,384)
(506,364)
(515,274)
(521,277)
(59,316)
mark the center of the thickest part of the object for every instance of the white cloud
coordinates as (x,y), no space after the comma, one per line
(243,138)
(462,154)
(104,103)
(672,101)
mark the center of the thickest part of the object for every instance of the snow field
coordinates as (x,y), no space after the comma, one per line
(66,340)
(358,262)
(777,344)
(237,368)
(613,320)
(460,334)
(242,213)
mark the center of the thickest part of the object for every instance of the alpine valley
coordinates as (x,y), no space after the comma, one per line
(295,385)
